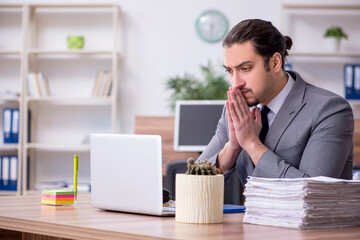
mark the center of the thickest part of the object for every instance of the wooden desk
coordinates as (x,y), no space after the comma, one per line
(31,220)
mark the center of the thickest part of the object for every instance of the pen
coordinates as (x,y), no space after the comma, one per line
(76,167)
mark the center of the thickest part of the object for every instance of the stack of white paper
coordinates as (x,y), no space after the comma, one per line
(304,203)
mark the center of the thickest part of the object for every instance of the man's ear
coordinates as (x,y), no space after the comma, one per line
(276,62)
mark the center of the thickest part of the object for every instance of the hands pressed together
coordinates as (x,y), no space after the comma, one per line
(244,129)
(244,126)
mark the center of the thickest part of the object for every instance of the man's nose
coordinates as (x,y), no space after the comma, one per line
(237,81)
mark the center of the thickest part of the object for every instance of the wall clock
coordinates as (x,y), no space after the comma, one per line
(211,26)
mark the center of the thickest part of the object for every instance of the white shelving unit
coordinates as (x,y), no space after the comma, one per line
(11,66)
(71,52)
(10,52)
(326,55)
(56,127)
(59,147)
(306,24)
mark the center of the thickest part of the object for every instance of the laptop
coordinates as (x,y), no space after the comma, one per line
(126,174)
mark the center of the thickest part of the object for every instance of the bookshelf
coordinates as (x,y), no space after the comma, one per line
(71,52)
(55,127)
(10,52)
(10,146)
(59,147)
(326,56)
(11,66)
(306,24)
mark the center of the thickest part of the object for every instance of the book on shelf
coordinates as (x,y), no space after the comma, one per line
(107,85)
(98,82)
(38,85)
(103,82)
(31,82)
(29,127)
(102,85)
(44,86)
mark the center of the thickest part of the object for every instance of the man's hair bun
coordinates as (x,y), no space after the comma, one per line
(288,42)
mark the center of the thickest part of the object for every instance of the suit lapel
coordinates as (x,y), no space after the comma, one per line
(288,111)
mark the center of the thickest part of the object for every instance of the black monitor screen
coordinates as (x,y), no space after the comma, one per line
(195,124)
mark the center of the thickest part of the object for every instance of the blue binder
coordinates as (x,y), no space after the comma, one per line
(5,172)
(14,133)
(1,182)
(356,81)
(349,81)
(230,208)
(13,173)
(7,115)
(288,66)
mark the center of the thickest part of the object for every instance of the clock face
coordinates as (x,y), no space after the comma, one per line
(211,26)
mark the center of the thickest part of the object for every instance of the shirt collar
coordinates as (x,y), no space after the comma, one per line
(276,103)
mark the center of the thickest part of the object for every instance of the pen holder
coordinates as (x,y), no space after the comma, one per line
(199,198)
(58,197)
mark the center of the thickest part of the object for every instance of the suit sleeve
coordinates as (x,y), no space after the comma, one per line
(218,141)
(327,149)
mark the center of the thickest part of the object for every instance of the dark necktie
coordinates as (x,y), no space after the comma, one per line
(265,124)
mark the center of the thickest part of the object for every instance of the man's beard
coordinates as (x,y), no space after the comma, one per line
(256,101)
(250,103)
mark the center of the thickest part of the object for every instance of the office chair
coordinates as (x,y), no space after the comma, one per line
(173,168)
(233,192)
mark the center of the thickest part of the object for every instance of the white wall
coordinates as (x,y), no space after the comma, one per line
(159,41)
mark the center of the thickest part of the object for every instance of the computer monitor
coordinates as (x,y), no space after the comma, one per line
(195,123)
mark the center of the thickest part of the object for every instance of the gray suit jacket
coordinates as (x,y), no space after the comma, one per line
(312,135)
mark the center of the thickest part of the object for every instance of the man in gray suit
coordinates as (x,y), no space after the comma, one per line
(304,130)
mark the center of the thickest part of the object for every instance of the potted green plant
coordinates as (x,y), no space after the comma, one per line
(199,194)
(334,34)
(213,86)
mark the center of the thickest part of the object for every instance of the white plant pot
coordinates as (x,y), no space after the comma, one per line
(333,44)
(199,199)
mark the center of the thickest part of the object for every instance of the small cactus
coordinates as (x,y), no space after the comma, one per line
(201,168)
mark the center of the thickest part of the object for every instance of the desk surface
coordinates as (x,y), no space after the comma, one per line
(26,214)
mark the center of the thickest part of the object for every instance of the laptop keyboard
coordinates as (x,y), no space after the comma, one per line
(168,209)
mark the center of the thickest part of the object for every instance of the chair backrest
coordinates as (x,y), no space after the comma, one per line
(179,166)
(233,192)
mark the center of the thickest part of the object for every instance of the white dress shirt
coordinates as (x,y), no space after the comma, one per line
(275,104)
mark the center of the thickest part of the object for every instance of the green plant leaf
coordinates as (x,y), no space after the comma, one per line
(212,86)
(335,31)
